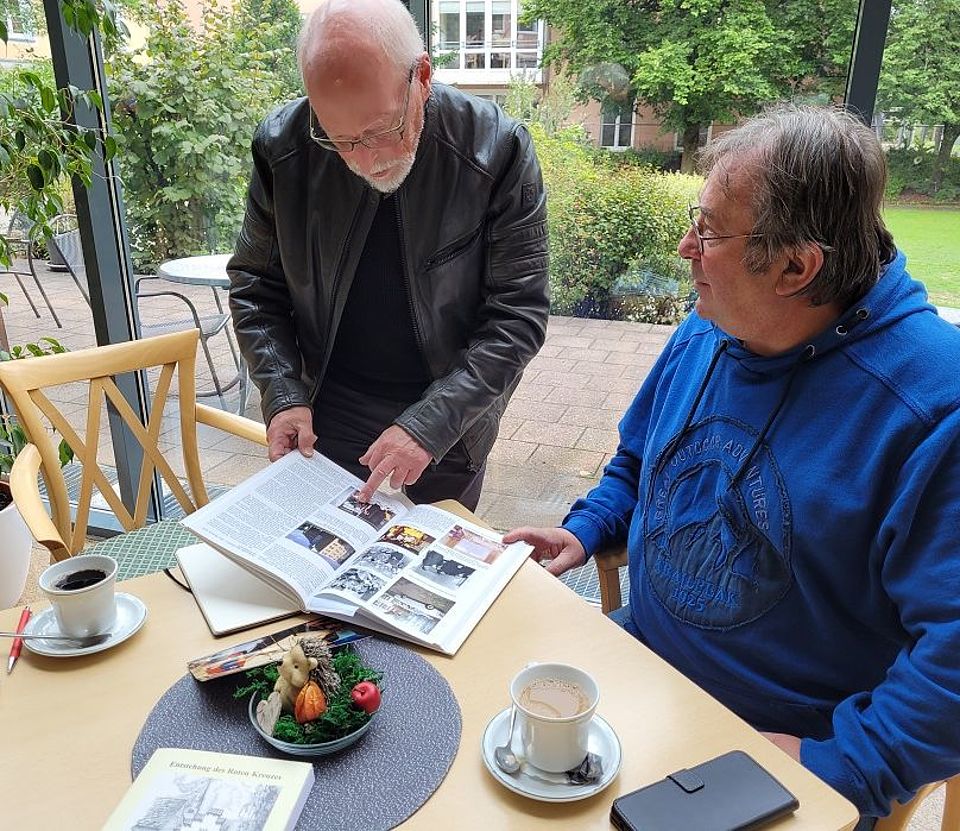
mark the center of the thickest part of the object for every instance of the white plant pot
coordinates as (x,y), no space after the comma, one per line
(16,546)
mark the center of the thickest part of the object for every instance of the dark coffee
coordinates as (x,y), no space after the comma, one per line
(80,579)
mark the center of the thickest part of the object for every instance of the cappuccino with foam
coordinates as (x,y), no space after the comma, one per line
(553,698)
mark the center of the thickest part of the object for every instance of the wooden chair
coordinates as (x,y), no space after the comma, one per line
(64,533)
(900,815)
(609,563)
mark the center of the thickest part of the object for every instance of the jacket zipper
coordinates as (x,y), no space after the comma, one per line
(455,251)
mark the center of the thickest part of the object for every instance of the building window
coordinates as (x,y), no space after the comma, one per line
(474,60)
(706,133)
(527,34)
(616,125)
(20,25)
(475,23)
(501,28)
(499,60)
(527,60)
(449,24)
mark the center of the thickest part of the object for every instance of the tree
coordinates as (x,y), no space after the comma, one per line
(699,61)
(185,109)
(40,145)
(920,82)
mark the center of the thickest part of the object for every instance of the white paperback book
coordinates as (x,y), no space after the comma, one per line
(180,788)
(413,571)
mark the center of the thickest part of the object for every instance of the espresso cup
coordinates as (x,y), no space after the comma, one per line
(81,591)
(555,705)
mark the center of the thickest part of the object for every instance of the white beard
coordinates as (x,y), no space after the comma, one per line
(398,170)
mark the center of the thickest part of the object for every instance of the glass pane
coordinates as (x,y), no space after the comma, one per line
(449,25)
(916,120)
(475,60)
(499,60)
(501,24)
(796,55)
(475,21)
(527,60)
(527,40)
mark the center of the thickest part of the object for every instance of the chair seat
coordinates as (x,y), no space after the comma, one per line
(209,326)
(145,550)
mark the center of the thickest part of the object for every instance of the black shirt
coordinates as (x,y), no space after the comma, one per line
(375,352)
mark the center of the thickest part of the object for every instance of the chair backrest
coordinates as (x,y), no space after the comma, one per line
(19,226)
(26,380)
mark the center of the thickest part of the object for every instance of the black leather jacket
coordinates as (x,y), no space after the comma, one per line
(474,240)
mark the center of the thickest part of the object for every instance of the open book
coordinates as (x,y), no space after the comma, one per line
(413,571)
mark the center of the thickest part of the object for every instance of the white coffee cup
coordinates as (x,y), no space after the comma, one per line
(88,609)
(554,743)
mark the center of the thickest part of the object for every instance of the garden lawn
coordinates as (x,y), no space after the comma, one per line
(930,237)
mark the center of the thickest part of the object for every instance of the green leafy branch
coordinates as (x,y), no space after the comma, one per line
(40,146)
(12,436)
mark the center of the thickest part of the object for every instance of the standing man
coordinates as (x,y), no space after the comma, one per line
(788,478)
(389,284)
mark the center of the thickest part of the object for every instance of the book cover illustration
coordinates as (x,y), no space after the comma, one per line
(269,649)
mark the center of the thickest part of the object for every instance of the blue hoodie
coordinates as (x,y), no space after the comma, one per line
(792,527)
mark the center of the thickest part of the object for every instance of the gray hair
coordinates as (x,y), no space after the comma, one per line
(817,175)
(392,30)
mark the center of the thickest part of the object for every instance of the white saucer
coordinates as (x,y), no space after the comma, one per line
(131,613)
(603,741)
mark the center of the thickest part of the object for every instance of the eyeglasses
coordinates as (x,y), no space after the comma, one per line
(388,138)
(694,211)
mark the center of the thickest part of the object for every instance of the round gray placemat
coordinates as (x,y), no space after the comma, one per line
(376,783)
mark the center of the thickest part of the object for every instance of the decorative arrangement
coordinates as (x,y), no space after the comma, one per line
(314,702)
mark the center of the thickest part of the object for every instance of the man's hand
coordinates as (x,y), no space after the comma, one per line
(395,454)
(558,545)
(787,743)
(289,430)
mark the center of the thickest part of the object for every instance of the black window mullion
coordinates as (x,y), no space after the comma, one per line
(79,61)
(866,58)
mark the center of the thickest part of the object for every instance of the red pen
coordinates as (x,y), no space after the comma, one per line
(17,644)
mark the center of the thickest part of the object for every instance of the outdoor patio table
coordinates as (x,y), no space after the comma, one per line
(69,725)
(208,270)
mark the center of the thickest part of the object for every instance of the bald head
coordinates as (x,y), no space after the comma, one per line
(344,33)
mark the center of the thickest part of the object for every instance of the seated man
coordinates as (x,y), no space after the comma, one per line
(788,477)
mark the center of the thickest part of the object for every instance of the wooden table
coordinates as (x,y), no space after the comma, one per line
(68,725)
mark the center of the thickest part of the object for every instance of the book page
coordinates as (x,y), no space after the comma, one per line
(429,577)
(295,522)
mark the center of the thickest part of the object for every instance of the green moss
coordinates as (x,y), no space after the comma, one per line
(341,716)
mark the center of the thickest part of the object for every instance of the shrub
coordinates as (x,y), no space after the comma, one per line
(910,171)
(602,225)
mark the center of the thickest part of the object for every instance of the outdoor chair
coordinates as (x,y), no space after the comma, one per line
(18,238)
(208,325)
(609,563)
(64,531)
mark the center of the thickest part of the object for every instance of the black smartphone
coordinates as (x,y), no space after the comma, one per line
(729,793)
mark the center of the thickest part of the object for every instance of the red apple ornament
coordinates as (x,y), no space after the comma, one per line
(366,696)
